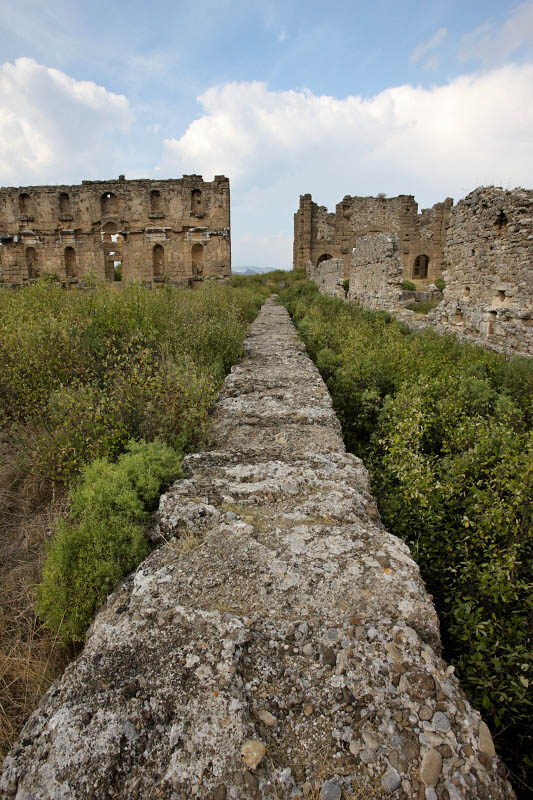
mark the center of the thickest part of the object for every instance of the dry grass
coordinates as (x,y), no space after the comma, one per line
(186,543)
(364,786)
(30,658)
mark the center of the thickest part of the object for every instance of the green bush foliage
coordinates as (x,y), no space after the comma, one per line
(105,539)
(440,284)
(82,373)
(445,429)
(423,307)
(408,286)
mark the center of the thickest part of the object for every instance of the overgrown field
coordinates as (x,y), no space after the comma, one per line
(101,394)
(446,431)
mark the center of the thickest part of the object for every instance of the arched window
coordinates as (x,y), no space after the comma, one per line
(25,205)
(32,262)
(420,267)
(158,260)
(64,203)
(323,257)
(109,204)
(197,253)
(196,201)
(112,244)
(70,262)
(155,200)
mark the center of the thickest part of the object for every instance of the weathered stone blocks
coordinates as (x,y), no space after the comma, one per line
(488,258)
(169,229)
(320,235)
(377,271)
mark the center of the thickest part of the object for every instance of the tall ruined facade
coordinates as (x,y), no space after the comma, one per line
(174,229)
(320,235)
(482,247)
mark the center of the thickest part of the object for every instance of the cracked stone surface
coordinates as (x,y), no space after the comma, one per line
(278,643)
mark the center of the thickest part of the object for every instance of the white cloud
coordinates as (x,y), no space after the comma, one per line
(53,127)
(282,36)
(424,48)
(492,43)
(432,143)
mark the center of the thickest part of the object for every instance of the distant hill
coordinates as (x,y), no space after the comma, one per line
(253,270)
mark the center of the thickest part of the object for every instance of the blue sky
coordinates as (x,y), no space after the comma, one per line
(426,98)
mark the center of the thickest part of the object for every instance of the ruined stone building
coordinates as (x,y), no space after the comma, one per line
(176,229)
(482,247)
(320,235)
(488,269)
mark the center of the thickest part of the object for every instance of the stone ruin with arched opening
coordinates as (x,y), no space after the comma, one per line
(154,229)
(482,248)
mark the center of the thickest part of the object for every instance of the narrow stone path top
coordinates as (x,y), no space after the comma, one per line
(279,644)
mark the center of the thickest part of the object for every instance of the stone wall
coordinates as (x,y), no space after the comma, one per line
(328,276)
(489,270)
(483,247)
(278,644)
(377,271)
(176,229)
(320,235)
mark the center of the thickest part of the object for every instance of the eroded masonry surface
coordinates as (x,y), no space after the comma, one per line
(176,230)
(279,643)
(482,248)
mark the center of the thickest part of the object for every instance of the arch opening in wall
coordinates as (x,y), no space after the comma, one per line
(420,267)
(197,253)
(155,200)
(158,261)
(196,201)
(32,262)
(71,267)
(25,205)
(64,203)
(323,257)
(112,245)
(109,204)
(457,318)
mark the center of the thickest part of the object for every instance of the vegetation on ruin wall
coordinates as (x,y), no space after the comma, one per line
(446,430)
(101,394)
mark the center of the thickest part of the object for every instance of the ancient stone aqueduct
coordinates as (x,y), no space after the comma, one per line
(279,643)
(290,651)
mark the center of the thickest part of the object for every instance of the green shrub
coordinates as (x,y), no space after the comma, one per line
(128,487)
(408,286)
(84,563)
(105,540)
(423,307)
(440,284)
(118,365)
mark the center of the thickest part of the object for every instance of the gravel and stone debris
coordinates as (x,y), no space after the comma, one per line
(278,643)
